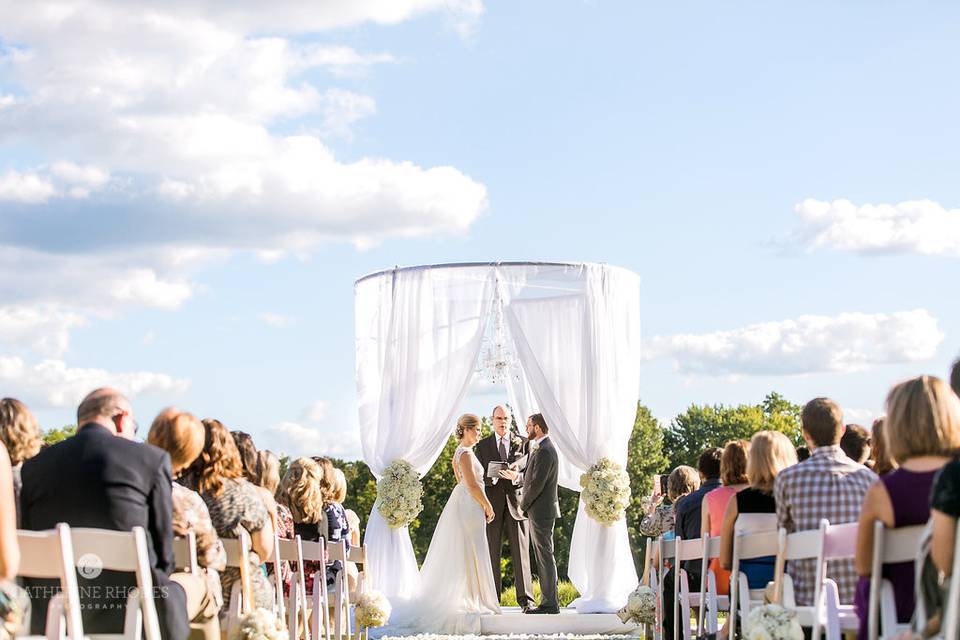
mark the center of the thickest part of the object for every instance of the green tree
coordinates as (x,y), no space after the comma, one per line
(53,436)
(645,458)
(703,426)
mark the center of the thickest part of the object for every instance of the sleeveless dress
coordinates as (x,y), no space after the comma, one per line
(759,571)
(456,583)
(908,491)
(716,506)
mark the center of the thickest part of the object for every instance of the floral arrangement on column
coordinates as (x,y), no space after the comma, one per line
(399,494)
(606,491)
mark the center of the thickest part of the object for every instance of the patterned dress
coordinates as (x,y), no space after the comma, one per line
(237,508)
(190,514)
(337,529)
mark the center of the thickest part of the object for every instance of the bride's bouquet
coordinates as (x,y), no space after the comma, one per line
(640,607)
(772,622)
(399,494)
(606,491)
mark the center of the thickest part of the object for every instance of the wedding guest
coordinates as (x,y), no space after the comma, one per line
(300,492)
(945,503)
(682,482)
(923,432)
(660,516)
(20,434)
(881,462)
(338,493)
(828,486)
(14,600)
(101,478)
(182,435)
(235,506)
(268,478)
(336,520)
(733,475)
(689,507)
(855,442)
(770,454)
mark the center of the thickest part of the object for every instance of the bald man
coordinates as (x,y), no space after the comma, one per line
(102,478)
(505,446)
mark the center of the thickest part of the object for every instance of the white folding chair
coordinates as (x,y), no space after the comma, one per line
(49,554)
(951,616)
(839,543)
(290,551)
(683,600)
(713,604)
(185,553)
(123,551)
(277,578)
(755,536)
(666,550)
(800,545)
(341,592)
(889,546)
(358,556)
(319,601)
(241,599)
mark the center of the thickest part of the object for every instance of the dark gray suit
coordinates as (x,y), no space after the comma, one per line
(506,517)
(540,504)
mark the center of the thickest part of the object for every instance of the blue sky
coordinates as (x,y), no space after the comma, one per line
(188,193)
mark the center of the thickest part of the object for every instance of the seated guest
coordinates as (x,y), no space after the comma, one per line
(13,599)
(101,478)
(20,434)
(235,506)
(855,442)
(880,460)
(828,486)
(660,516)
(300,492)
(181,435)
(250,460)
(733,475)
(339,495)
(268,478)
(334,515)
(923,431)
(770,453)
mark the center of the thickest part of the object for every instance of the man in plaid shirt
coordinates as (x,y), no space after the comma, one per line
(827,485)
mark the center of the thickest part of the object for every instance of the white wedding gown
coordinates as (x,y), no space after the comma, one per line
(456,582)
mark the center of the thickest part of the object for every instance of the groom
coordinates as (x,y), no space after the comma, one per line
(538,501)
(503,446)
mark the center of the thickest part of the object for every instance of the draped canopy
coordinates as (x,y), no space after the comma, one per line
(575,329)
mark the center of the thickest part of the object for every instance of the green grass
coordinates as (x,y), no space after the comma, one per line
(566,594)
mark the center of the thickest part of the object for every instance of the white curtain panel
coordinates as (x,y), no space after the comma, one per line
(419,333)
(580,352)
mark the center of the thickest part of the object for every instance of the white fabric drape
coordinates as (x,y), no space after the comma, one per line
(418,334)
(581,358)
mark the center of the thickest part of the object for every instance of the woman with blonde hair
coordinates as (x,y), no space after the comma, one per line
(300,492)
(770,453)
(182,435)
(338,492)
(20,434)
(922,432)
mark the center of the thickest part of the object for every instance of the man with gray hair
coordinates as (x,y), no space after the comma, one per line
(101,478)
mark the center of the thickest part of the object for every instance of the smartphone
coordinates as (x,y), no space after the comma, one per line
(656,484)
(663,483)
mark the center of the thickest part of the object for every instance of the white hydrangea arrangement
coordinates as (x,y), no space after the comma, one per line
(260,624)
(640,607)
(372,609)
(772,622)
(606,491)
(399,494)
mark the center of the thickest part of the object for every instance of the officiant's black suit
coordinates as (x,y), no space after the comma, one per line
(507,517)
(98,480)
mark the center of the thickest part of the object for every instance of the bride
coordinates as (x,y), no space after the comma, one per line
(456,583)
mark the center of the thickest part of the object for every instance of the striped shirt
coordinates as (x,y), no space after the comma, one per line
(830,486)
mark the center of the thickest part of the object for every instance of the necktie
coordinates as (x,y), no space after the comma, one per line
(503,451)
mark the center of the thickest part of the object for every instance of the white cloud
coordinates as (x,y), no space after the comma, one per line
(810,344)
(28,188)
(51,383)
(315,413)
(295,439)
(864,417)
(276,320)
(917,226)
(45,329)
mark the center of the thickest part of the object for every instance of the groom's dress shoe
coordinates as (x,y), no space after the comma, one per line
(544,610)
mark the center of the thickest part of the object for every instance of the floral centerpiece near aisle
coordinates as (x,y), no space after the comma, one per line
(606,491)
(772,622)
(640,608)
(399,494)
(373,609)
(260,624)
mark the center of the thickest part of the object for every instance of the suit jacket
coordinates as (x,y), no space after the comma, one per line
(538,498)
(503,493)
(96,479)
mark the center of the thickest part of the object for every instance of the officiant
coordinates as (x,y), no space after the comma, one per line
(503,447)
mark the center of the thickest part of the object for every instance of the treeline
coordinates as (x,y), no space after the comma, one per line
(654,448)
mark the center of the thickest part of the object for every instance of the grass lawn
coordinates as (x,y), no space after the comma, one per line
(565,594)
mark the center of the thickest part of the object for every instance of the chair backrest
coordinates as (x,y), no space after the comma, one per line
(238,556)
(185,553)
(889,545)
(121,551)
(951,618)
(358,555)
(49,554)
(839,540)
(337,551)
(314,551)
(689,549)
(278,571)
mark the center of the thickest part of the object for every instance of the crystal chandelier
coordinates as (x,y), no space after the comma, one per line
(498,361)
